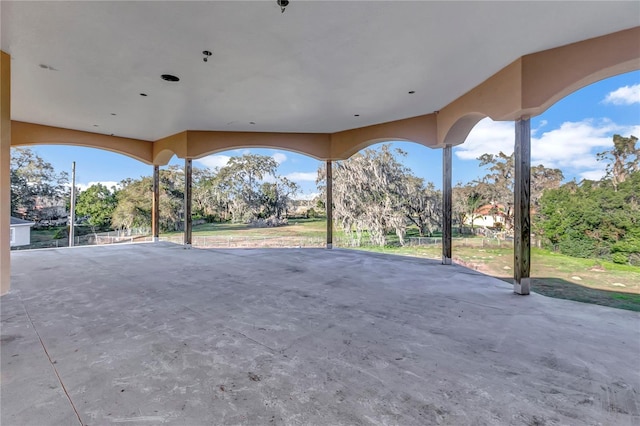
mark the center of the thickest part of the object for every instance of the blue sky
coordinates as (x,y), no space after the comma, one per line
(567,136)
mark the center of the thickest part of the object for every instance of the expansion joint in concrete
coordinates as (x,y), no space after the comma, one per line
(55,370)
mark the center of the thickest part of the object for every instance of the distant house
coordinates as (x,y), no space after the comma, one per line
(488,216)
(20,232)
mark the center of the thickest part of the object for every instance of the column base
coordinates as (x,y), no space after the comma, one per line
(187,246)
(446,260)
(522,287)
(155,239)
(329,246)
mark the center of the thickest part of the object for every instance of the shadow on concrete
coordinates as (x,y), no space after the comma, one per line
(563,289)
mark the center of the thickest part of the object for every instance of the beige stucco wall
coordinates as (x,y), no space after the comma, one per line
(5,164)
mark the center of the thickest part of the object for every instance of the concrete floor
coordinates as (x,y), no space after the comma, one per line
(152,333)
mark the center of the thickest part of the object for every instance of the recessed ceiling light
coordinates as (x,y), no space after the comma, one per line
(169,77)
(412,92)
(143,94)
(113,113)
(95,125)
(252,122)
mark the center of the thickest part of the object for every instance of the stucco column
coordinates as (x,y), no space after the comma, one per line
(522,198)
(329,204)
(5,175)
(155,205)
(446,205)
(188,171)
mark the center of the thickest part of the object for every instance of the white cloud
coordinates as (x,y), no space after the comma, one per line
(488,137)
(268,179)
(541,124)
(279,157)
(307,197)
(571,147)
(302,176)
(108,183)
(592,175)
(626,95)
(213,161)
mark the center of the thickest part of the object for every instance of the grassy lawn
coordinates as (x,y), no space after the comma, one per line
(305,228)
(43,235)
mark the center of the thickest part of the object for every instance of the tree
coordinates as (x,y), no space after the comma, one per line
(247,188)
(277,197)
(543,178)
(424,205)
(370,193)
(134,201)
(97,203)
(496,186)
(134,204)
(598,219)
(622,159)
(34,184)
(466,200)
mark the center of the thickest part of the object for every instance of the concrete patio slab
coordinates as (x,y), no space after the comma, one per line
(155,334)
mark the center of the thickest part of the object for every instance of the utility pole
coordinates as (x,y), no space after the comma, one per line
(72,212)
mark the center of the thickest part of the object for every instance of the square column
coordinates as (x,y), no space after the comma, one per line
(155,205)
(329,205)
(188,171)
(522,199)
(446,205)
(5,175)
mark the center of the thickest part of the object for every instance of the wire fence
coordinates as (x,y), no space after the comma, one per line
(112,237)
(461,242)
(256,241)
(212,241)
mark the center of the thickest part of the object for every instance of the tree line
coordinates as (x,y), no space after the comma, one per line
(597,219)
(374,195)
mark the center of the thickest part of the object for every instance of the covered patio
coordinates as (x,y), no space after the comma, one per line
(153,333)
(153,80)
(100,335)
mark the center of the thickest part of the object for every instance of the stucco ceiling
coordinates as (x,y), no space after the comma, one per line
(310,69)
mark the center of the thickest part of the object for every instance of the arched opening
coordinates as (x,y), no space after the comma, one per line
(567,177)
(26,134)
(387,197)
(41,187)
(246,197)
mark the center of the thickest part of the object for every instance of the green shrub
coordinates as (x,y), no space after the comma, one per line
(61,233)
(620,258)
(577,247)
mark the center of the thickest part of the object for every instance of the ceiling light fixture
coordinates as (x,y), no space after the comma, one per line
(412,92)
(282,4)
(206,54)
(169,77)
(356,115)
(143,94)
